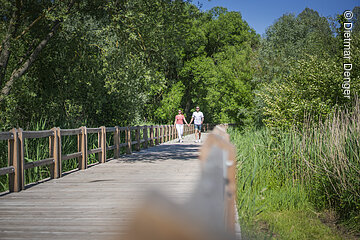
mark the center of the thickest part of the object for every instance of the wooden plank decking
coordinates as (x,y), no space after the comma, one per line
(97,202)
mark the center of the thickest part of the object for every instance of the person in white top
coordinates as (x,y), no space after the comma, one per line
(198,118)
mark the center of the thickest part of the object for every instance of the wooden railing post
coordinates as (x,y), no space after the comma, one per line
(162,133)
(145,136)
(84,149)
(170,132)
(99,144)
(59,151)
(51,153)
(117,142)
(102,144)
(13,160)
(128,140)
(167,133)
(16,159)
(55,152)
(157,135)
(79,138)
(21,158)
(151,135)
(173,132)
(137,137)
(212,203)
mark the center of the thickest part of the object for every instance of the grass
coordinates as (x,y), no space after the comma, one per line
(295,224)
(283,180)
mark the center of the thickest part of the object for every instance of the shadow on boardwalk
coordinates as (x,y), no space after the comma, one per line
(183,152)
(98,202)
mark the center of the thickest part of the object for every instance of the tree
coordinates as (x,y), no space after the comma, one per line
(29,26)
(302,70)
(216,72)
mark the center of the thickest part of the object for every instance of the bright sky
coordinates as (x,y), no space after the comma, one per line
(260,14)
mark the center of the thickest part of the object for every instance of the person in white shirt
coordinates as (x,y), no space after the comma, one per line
(198,118)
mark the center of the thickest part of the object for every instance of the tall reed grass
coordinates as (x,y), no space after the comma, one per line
(328,162)
(315,167)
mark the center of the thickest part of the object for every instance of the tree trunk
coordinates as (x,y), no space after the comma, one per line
(5,47)
(22,70)
(17,73)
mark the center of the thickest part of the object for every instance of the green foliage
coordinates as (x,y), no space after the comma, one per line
(301,70)
(264,180)
(282,180)
(169,104)
(304,224)
(216,71)
(230,96)
(332,149)
(117,63)
(316,164)
(128,62)
(312,87)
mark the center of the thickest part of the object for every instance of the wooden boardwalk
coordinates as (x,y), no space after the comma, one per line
(96,203)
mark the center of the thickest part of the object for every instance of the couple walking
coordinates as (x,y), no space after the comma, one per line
(197,117)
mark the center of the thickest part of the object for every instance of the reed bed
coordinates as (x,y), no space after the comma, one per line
(312,168)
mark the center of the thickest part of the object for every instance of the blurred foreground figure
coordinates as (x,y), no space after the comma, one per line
(209,214)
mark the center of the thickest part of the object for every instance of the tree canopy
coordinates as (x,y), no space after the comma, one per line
(126,62)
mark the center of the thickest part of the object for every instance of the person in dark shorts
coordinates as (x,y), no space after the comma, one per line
(198,118)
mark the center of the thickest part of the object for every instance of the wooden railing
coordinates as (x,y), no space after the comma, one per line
(209,213)
(145,136)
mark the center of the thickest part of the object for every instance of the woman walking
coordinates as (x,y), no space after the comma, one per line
(179,123)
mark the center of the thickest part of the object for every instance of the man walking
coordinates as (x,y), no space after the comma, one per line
(198,118)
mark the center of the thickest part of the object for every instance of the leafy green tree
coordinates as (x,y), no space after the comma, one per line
(300,70)
(312,88)
(216,71)
(27,28)
(170,103)
(106,64)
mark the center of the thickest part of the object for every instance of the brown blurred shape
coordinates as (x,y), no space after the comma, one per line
(209,214)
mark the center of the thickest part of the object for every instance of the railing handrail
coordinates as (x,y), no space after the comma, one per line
(151,135)
(208,213)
